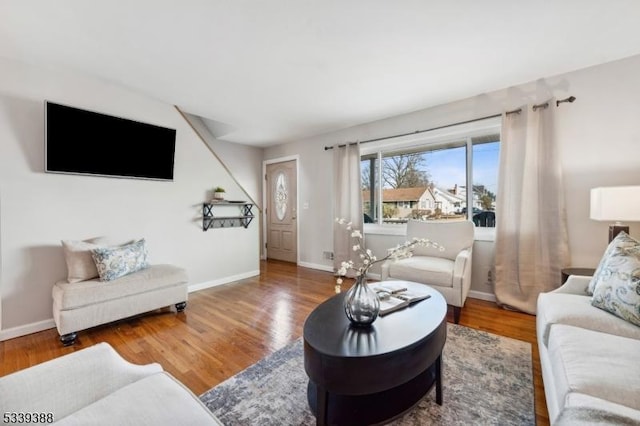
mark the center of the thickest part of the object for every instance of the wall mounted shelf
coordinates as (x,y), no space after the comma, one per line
(224,217)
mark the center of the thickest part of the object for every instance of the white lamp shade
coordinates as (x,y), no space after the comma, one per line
(616,203)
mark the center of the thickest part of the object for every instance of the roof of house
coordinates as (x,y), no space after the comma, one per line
(399,194)
(452,198)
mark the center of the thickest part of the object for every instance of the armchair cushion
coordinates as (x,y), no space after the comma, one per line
(424,269)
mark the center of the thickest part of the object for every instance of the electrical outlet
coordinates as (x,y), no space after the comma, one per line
(490,277)
(327,255)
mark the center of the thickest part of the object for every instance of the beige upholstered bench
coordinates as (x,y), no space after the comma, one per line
(79,304)
(85,304)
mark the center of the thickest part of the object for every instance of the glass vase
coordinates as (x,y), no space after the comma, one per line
(361,304)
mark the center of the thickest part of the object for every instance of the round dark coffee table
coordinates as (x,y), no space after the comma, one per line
(364,376)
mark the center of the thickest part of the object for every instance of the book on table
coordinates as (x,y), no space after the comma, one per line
(394,296)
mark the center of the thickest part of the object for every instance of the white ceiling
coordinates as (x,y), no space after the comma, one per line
(264,72)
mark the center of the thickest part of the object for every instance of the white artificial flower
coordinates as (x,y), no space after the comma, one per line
(339,281)
(356,247)
(356,234)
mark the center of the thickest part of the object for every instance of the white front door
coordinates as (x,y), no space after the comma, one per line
(282,229)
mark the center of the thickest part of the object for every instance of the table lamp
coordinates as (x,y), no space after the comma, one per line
(616,204)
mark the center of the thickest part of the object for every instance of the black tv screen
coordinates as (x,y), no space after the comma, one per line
(78,141)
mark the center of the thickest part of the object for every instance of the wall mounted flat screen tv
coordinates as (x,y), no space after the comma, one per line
(84,142)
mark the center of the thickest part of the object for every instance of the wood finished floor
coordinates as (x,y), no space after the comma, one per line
(227,328)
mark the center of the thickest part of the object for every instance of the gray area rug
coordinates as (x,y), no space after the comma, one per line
(487,380)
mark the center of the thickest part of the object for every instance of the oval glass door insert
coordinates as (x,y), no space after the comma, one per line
(280,196)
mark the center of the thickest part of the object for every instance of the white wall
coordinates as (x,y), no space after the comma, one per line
(244,161)
(598,136)
(39,209)
(245,164)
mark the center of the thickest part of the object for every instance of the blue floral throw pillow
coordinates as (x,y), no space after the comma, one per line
(617,286)
(618,245)
(115,262)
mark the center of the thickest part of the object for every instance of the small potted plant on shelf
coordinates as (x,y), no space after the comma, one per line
(218,193)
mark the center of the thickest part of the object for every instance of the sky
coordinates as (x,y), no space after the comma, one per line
(447,167)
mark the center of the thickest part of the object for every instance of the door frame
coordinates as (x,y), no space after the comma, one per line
(296,157)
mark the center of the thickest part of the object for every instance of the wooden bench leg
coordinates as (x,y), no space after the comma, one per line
(69,338)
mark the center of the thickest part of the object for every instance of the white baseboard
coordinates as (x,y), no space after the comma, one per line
(489,297)
(23,330)
(316,266)
(225,280)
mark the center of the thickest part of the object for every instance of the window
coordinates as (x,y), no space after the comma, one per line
(430,179)
(485,179)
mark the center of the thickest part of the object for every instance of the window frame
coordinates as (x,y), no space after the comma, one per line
(445,138)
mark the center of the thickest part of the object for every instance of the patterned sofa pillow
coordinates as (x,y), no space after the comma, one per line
(617,286)
(621,242)
(115,262)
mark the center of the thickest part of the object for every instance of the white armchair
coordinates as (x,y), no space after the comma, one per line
(448,271)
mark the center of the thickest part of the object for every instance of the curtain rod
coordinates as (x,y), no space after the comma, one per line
(570,99)
(515,111)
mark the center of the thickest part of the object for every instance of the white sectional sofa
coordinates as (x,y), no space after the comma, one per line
(590,359)
(96,386)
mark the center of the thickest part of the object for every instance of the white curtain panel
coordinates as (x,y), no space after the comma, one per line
(531,234)
(347,200)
